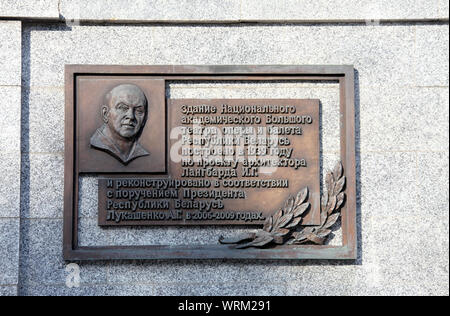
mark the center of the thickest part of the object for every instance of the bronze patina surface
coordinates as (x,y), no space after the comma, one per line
(120,126)
(124,114)
(244,151)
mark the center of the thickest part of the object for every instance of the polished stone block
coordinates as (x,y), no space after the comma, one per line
(10,52)
(30,9)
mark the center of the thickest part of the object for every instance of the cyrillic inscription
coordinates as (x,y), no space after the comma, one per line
(229,162)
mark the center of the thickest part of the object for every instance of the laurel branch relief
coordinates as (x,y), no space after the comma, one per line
(285,226)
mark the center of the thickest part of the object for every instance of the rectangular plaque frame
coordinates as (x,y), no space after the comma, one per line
(342,74)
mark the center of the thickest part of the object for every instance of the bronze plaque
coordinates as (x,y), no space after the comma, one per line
(251,163)
(224,156)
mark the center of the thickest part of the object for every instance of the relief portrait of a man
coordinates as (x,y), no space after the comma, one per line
(124,114)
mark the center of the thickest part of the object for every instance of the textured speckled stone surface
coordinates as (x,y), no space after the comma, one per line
(43,180)
(10,135)
(9,251)
(222,289)
(298,10)
(443,8)
(30,9)
(43,120)
(388,179)
(73,11)
(83,45)
(370,49)
(218,272)
(10,52)
(402,155)
(152,10)
(10,185)
(433,182)
(89,290)
(432,55)
(382,55)
(42,262)
(62,290)
(8,290)
(250,10)
(404,119)
(10,113)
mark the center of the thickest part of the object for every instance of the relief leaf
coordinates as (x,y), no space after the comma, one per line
(299,235)
(323,217)
(331,205)
(337,171)
(330,183)
(332,220)
(279,237)
(291,242)
(268,225)
(308,230)
(276,218)
(279,229)
(285,220)
(282,232)
(316,239)
(324,202)
(289,206)
(301,197)
(339,186)
(294,223)
(340,200)
(260,241)
(323,233)
(301,209)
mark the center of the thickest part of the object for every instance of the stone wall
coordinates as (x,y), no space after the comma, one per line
(400,50)
(10,154)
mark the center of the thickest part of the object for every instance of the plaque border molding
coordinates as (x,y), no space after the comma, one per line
(343,74)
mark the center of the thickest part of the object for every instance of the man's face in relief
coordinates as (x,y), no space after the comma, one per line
(126,112)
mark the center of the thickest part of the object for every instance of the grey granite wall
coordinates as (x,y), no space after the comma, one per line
(252,10)
(30,9)
(402,71)
(10,123)
(223,10)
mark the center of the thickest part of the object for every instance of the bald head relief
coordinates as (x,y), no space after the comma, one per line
(125,111)
(124,114)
